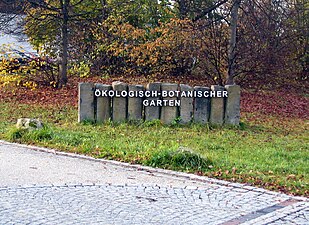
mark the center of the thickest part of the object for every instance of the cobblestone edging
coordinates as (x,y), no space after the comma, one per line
(138,204)
(159,171)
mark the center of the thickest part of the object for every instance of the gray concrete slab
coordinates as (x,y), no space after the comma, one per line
(41,186)
(24,166)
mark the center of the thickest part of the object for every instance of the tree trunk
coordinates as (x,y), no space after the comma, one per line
(182,9)
(232,42)
(104,9)
(64,43)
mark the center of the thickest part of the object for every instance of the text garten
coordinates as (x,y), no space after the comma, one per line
(159,102)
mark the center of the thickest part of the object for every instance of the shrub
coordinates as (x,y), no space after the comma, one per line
(24,135)
(169,49)
(180,159)
(27,72)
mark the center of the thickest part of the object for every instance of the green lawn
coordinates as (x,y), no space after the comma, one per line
(268,151)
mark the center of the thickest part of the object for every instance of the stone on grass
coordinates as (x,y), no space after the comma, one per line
(29,124)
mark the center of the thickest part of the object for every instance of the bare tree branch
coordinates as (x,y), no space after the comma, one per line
(209,10)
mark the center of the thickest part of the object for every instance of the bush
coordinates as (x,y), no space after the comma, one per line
(169,49)
(27,72)
(181,159)
(24,135)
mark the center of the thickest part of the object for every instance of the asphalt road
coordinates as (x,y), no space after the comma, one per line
(42,186)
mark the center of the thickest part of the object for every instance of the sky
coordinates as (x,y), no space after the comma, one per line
(14,42)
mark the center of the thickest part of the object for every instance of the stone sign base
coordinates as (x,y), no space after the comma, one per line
(167,102)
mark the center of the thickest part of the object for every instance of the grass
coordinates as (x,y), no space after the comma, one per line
(271,152)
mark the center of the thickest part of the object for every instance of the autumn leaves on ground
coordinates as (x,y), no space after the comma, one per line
(269,149)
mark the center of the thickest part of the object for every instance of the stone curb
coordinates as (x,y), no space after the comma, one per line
(159,171)
(276,215)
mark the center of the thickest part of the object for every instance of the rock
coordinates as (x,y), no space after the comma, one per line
(29,124)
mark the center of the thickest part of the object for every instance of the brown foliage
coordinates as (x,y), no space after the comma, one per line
(176,48)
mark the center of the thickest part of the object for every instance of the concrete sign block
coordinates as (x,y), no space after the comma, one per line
(120,104)
(103,103)
(86,102)
(153,112)
(216,107)
(168,112)
(201,106)
(135,104)
(232,105)
(186,107)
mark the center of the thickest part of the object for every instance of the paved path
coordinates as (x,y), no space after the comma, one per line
(49,187)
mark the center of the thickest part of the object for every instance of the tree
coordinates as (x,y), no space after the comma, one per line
(197,9)
(300,20)
(49,23)
(215,13)
(141,13)
(232,42)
